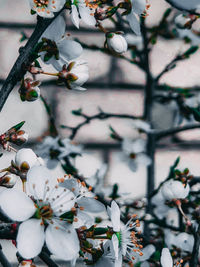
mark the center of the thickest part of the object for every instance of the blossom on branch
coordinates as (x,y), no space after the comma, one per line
(46,8)
(116,42)
(83,9)
(40,216)
(56,48)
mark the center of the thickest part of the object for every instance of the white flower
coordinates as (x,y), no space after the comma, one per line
(141,125)
(182,21)
(85,201)
(116,42)
(124,240)
(138,8)
(82,9)
(174,190)
(97,180)
(183,241)
(74,75)
(39,215)
(166,259)
(134,153)
(25,159)
(46,8)
(54,149)
(191,5)
(57,49)
(160,209)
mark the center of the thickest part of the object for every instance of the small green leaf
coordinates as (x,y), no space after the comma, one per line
(190,51)
(77,112)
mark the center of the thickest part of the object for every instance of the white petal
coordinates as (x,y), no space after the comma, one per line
(72,185)
(38,179)
(16,205)
(143,159)
(185,4)
(75,16)
(90,204)
(115,246)
(115,216)
(83,219)
(134,23)
(69,49)
(30,238)
(56,29)
(166,259)
(138,6)
(86,16)
(56,5)
(63,243)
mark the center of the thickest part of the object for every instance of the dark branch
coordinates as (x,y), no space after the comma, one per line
(24,59)
(100,116)
(195,252)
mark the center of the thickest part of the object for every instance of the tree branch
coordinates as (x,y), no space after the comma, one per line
(24,59)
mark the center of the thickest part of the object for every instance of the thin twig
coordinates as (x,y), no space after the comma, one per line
(100,116)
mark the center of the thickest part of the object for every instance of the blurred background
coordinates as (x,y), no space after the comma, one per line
(115,86)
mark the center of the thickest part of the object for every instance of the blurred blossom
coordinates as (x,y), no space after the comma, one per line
(134,153)
(53,150)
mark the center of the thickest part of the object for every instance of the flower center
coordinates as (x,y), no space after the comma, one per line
(132,155)
(45,212)
(41,3)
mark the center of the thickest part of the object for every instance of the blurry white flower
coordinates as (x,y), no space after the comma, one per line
(166,258)
(39,215)
(189,34)
(54,149)
(141,125)
(134,153)
(183,241)
(97,180)
(116,42)
(82,9)
(57,49)
(124,240)
(85,201)
(138,8)
(134,40)
(182,21)
(191,5)
(74,75)
(160,209)
(25,159)
(174,190)
(46,8)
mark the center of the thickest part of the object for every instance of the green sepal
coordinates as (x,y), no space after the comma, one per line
(33,12)
(77,112)
(100,231)
(190,51)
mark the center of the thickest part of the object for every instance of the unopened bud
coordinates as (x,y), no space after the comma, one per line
(183,22)
(25,159)
(29,90)
(8,180)
(116,42)
(19,137)
(74,75)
